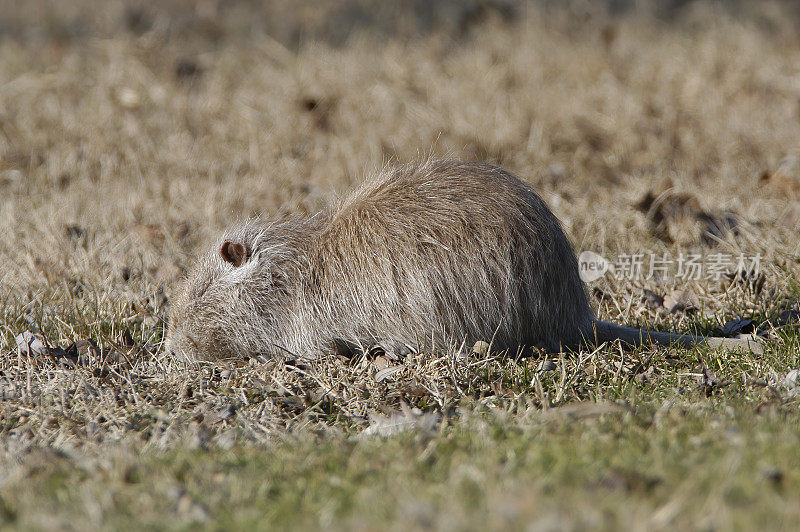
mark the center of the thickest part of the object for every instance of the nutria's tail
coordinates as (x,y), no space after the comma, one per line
(603,331)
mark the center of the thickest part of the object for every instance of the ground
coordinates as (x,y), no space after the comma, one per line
(131,133)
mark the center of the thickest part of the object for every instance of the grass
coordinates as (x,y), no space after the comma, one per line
(129,136)
(673,462)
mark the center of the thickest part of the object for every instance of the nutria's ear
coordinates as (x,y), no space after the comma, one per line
(234,252)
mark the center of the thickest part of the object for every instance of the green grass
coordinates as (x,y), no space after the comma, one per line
(672,462)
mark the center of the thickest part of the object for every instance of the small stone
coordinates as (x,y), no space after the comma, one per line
(386,373)
(791,378)
(480,348)
(547,365)
(227,411)
(680,300)
(126,338)
(738,326)
(30,345)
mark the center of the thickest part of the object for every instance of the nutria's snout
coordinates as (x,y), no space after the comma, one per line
(178,346)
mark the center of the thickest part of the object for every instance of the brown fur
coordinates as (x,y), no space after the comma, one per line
(422,257)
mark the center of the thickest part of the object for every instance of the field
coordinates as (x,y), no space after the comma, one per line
(131,133)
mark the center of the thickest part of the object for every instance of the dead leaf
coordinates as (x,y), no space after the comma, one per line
(75,233)
(381,362)
(790,315)
(320,110)
(716,226)
(752,279)
(681,300)
(83,352)
(785,178)
(652,300)
(708,381)
(126,339)
(678,217)
(151,233)
(28,344)
(738,326)
(480,348)
(386,373)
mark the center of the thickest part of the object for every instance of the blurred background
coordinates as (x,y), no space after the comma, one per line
(131,132)
(210,23)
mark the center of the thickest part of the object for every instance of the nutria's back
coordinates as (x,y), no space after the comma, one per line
(425,256)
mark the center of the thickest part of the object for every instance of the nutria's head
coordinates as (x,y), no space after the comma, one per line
(235,300)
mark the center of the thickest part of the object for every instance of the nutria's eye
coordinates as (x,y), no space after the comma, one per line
(234,253)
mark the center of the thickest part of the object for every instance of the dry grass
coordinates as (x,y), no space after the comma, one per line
(130,135)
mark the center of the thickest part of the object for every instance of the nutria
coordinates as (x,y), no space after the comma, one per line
(426,257)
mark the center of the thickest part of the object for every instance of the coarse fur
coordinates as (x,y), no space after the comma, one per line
(422,257)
